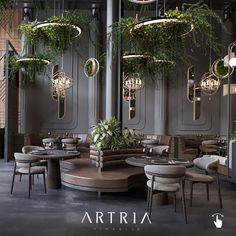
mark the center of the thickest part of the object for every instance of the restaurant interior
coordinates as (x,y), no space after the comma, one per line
(117,117)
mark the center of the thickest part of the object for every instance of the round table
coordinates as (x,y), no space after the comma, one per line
(53,158)
(145,160)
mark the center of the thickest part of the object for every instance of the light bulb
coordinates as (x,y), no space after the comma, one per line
(232,62)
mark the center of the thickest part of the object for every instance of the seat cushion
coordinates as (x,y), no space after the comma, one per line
(207,162)
(33,170)
(198,177)
(164,187)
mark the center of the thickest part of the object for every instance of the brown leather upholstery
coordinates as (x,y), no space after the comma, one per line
(108,158)
(184,152)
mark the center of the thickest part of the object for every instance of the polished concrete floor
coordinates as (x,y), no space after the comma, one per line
(61,212)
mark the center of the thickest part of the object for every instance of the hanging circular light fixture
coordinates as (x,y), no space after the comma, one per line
(133,56)
(162,21)
(39,25)
(61,82)
(209,84)
(142,1)
(133,82)
(29,59)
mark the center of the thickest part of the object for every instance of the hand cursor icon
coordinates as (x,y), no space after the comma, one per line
(218,222)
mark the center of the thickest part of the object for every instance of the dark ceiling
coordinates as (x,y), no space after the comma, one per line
(86,4)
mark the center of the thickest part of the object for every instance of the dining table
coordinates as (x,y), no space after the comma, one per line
(53,158)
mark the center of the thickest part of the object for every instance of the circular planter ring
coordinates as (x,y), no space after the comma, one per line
(91,67)
(132,56)
(218,67)
(33,59)
(142,1)
(47,24)
(162,21)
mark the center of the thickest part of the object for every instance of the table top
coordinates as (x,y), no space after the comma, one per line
(55,154)
(145,160)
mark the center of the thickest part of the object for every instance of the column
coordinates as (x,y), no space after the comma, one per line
(160,126)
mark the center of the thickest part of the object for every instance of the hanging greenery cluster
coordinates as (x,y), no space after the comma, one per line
(54,38)
(58,37)
(31,67)
(167,40)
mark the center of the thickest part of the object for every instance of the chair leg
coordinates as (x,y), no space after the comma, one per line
(174,202)
(207,191)
(207,187)
(191,193)
(13,178)
(183,202)
(44,183)
(29,186)
(20,177)
(150,203)
(148,196)
(219,190)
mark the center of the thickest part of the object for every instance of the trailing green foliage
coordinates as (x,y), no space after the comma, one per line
(30,68)
(167,40)
(58,38)
(108,134)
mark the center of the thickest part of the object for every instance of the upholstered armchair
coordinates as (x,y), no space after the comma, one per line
(209,165)
(24,165)
(165,178)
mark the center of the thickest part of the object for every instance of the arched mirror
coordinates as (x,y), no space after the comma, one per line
(58,97)
(130,96)
(193,92)
(190,84)
(91,67)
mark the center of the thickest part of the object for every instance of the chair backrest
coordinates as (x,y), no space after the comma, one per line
(209,142)
(165,173)
(159,150)
(207,162)
(23,160)
(29,148)
(165,140)
(51,143)
(69,143)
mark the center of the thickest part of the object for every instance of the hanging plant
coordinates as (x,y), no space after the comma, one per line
(166,40)
(59,32)
(31,66)
(145,64)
